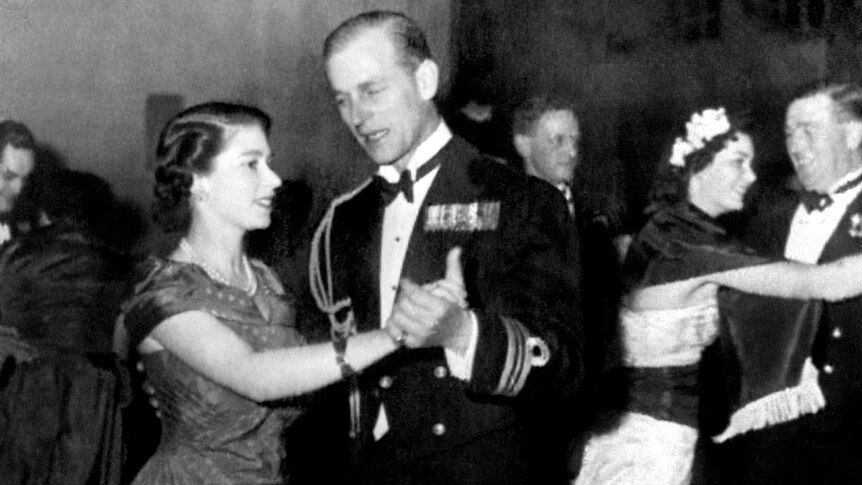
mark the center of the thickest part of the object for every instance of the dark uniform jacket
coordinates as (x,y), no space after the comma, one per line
(825,447)
(521,274)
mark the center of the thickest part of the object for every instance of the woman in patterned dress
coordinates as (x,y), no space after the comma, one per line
(215,330)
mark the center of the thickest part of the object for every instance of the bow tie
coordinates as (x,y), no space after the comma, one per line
(815,201)
(389,191)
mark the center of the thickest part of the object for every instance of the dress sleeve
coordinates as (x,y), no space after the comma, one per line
(161,294)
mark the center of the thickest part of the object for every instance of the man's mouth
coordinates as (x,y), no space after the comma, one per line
(373,137)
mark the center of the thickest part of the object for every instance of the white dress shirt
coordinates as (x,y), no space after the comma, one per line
(398,221)
(810,231)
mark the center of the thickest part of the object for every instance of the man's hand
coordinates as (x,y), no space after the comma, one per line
(434,314)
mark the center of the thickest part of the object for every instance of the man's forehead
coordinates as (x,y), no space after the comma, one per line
(811,109)
(559,119)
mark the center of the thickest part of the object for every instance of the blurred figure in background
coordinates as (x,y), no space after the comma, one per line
(61,388)
(547,135)
(17,161)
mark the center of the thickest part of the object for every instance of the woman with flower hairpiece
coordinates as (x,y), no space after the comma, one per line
(688,284)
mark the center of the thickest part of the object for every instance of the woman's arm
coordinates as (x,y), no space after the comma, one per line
(214,350)
(832,281)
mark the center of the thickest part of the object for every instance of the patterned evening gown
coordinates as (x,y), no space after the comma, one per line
(210,434)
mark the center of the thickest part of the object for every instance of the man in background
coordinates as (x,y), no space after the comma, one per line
(546,133)
(17,161)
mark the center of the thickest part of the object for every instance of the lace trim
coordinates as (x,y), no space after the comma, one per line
(778,407)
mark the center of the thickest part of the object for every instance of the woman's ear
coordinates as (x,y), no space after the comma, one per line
(200,188)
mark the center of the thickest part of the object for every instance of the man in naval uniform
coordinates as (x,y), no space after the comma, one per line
(476,394)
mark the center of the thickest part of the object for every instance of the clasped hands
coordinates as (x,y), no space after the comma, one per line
(434,314)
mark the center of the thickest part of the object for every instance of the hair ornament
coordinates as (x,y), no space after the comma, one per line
(703,127)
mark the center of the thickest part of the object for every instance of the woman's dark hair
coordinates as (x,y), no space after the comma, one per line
(187,145)
(670,184)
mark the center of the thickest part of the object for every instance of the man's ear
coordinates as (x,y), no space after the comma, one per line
(853,134)
(428,79)
(522,146)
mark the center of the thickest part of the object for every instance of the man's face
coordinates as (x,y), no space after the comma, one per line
(386,105)
(551,151)
(817,142)
(15,166)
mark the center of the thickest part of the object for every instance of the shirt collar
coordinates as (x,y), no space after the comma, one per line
(423,153)
(846,178)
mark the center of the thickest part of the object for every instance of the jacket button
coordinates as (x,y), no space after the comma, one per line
(385,382)
(837,332)
(438,429)
(828,369)
(440,372)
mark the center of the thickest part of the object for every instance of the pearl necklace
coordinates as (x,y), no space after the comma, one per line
(251,281)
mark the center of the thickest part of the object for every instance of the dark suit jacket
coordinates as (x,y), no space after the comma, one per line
(502,426)
(825,447)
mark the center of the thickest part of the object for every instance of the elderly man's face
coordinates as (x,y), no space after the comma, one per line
(551,151)
(817,142)
(15,166)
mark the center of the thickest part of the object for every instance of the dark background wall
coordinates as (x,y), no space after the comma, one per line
(96,78)
(638,69)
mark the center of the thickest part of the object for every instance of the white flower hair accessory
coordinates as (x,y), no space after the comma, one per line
(703,127)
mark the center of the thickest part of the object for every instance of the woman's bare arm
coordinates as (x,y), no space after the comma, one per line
(833,281)
(214,350)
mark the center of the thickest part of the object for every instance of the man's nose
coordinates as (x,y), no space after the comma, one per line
(359,113)
(795,145)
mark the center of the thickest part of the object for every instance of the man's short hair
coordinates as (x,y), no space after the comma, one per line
(16,134)
(529,112)
(406,35)
(846,96)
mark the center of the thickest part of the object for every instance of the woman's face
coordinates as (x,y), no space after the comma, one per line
(240,188)
(721,186)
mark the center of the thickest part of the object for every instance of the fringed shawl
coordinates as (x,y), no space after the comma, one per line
(765,342)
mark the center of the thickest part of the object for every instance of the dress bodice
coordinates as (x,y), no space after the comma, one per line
(667,337)
(210,433)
